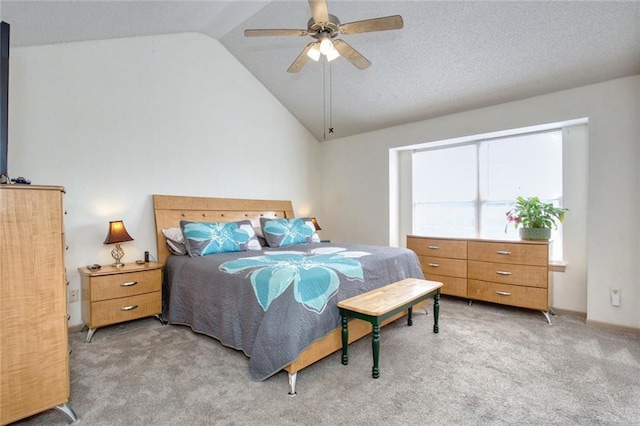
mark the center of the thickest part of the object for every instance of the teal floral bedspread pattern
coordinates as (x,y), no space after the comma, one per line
(274,303)
(313,274)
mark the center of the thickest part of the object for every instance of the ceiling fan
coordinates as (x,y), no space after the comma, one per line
(325,28)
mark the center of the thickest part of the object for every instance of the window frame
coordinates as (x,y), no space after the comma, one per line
(479,202)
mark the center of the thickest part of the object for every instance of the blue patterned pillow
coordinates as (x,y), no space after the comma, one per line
(203,238)
(286,232)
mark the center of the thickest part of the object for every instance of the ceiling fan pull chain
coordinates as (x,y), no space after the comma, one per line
(330,98)
(324,101)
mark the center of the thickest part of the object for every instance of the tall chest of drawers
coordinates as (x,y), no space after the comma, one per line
(514,273)
(34,349)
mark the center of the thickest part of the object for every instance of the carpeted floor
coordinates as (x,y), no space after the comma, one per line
(489,364)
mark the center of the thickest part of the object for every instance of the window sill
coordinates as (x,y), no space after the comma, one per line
(557,266)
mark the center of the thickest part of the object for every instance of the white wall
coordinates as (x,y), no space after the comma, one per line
(356,183)
(116,121)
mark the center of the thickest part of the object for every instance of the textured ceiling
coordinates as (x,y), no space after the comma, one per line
(450,56)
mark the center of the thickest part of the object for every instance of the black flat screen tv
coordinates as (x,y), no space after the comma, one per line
(4,101)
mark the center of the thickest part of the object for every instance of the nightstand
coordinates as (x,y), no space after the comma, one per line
(111,295)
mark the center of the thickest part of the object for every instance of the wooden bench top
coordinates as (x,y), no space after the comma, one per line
(384,299)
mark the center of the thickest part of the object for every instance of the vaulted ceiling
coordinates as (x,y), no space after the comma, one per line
(450,56)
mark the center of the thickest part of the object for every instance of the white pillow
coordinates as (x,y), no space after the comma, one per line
(175,241)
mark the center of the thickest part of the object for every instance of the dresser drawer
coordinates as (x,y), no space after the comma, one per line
(524,297)
(442,266)
(526,275)
(502,252)
(438,248)
(124,309)
(450,285)
(123,285)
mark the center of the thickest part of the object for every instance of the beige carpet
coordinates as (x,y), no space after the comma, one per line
(488,365)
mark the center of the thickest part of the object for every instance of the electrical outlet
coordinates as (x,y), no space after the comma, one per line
(73,296)
(616,295)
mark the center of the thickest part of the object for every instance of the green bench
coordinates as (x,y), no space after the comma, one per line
(377,305)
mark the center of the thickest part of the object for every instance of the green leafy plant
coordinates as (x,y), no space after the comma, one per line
(533,213)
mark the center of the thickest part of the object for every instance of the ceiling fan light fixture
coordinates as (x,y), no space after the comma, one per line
(324,28)
(326,46)
(333,54)
(314,52)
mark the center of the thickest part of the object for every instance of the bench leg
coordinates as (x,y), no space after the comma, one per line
(375,371)
(345,339)
(409,316)
(436,311)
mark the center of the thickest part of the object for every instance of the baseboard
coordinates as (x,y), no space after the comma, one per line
(614,327)
(568,312)
(75,328)
(583,316)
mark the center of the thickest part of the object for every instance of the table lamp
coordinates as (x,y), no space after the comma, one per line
(117,234)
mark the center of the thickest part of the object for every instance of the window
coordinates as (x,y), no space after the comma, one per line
(465,190)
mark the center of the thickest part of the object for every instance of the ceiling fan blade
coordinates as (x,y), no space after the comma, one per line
(351,54)
(319,10)
(394,22)
(265,33)
(301,60)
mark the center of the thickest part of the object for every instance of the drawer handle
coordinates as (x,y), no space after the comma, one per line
(129,308)
(503,293)
(433,265)
(433,247)
(129,284)
(503,252)
(503,272)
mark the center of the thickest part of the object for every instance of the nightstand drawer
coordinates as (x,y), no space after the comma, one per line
(524,297)
(499,252)
(531,276)
(438,248)
(123,285)
(124,309)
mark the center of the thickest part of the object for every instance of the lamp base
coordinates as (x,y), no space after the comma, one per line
(117,253)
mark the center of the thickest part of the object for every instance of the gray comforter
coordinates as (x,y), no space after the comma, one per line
(274,303)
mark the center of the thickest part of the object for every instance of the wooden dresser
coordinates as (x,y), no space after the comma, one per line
(34,349)
(443,260)
(514,273)
(111,295)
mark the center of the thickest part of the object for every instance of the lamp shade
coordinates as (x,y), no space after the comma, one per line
(314,52)
(326,45)
(117,233)
(333,54)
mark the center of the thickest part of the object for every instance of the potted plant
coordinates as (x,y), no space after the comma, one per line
(534,218)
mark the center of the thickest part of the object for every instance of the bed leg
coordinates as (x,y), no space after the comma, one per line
(292,383)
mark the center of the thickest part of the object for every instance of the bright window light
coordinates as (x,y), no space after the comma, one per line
(465,190)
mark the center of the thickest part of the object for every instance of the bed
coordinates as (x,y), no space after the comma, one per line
(277,305)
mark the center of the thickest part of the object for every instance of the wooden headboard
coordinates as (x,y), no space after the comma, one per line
(169,210)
